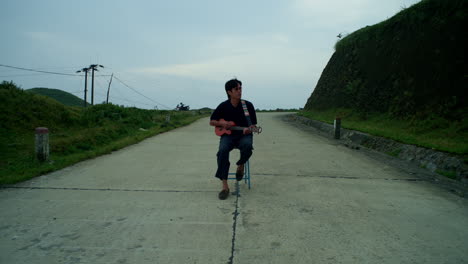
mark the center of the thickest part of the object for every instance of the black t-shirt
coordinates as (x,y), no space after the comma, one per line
(228,112)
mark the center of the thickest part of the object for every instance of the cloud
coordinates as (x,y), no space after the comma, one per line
(41,36)
(257,57)
(49,42)
(339,13)
(326,10)
(273,65)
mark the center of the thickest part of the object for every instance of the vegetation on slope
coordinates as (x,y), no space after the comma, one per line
(409,70)
(412,64)
(439,134)
(59,95)
(76,133)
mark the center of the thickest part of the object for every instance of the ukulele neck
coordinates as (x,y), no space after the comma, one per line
(237,128)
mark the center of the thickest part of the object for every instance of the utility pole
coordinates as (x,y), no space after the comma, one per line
(108,88)
(93,67)
(85,70)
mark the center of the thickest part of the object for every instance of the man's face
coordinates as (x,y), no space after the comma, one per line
(236,93)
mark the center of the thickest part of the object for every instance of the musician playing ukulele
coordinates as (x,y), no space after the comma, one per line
(230,114)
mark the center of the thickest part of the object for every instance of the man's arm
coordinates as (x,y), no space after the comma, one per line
(217,123)
(214,123)
(217,115)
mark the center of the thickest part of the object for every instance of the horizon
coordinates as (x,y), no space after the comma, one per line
(163,53)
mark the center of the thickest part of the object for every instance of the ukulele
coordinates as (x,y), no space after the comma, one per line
(219,131)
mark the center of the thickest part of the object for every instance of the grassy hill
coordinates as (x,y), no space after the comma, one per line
(408,71)
(413,64)
(59,95)
(76,133)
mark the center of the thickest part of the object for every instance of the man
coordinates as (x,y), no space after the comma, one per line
(231,110)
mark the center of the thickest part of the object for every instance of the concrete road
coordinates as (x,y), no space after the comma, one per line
(312,201)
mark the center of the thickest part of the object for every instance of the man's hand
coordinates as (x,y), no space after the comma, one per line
(222,123)
(248,130)
(225,124)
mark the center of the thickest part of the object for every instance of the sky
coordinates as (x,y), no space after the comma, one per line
(166,52)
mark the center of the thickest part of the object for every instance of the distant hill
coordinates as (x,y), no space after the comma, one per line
(205,109)
(59,95)
(22,111)
(411,65)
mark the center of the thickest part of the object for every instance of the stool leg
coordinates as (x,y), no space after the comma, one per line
(247,173)
(246,169)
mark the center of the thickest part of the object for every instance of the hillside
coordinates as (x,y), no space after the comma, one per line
(75,133)
(412,65)
(59,95)
(22,111)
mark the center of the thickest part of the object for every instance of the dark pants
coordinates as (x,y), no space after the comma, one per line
(228,143)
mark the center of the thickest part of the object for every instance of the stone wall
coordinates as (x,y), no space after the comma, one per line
(435,161)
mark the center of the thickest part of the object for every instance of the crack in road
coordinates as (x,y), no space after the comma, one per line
(101,189)
(234,224)
(341,177)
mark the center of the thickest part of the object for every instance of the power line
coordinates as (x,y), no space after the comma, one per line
(124,99)
(80,75)
(22,75)
(40,71)
(49,72)
(99,84)
(140,93)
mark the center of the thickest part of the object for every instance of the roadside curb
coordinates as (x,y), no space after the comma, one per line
(430,159)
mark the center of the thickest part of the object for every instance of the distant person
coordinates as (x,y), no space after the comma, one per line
(224,117)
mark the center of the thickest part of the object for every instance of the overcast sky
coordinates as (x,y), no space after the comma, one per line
(181,51)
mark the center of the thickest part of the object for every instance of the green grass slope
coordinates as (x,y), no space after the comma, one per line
(76,133)
(413,64)
(404,78)
(59,95)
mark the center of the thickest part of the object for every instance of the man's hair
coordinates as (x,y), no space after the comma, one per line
(231,84)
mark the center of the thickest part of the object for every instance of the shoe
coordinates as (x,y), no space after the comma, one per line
(223,195)
(240,172)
